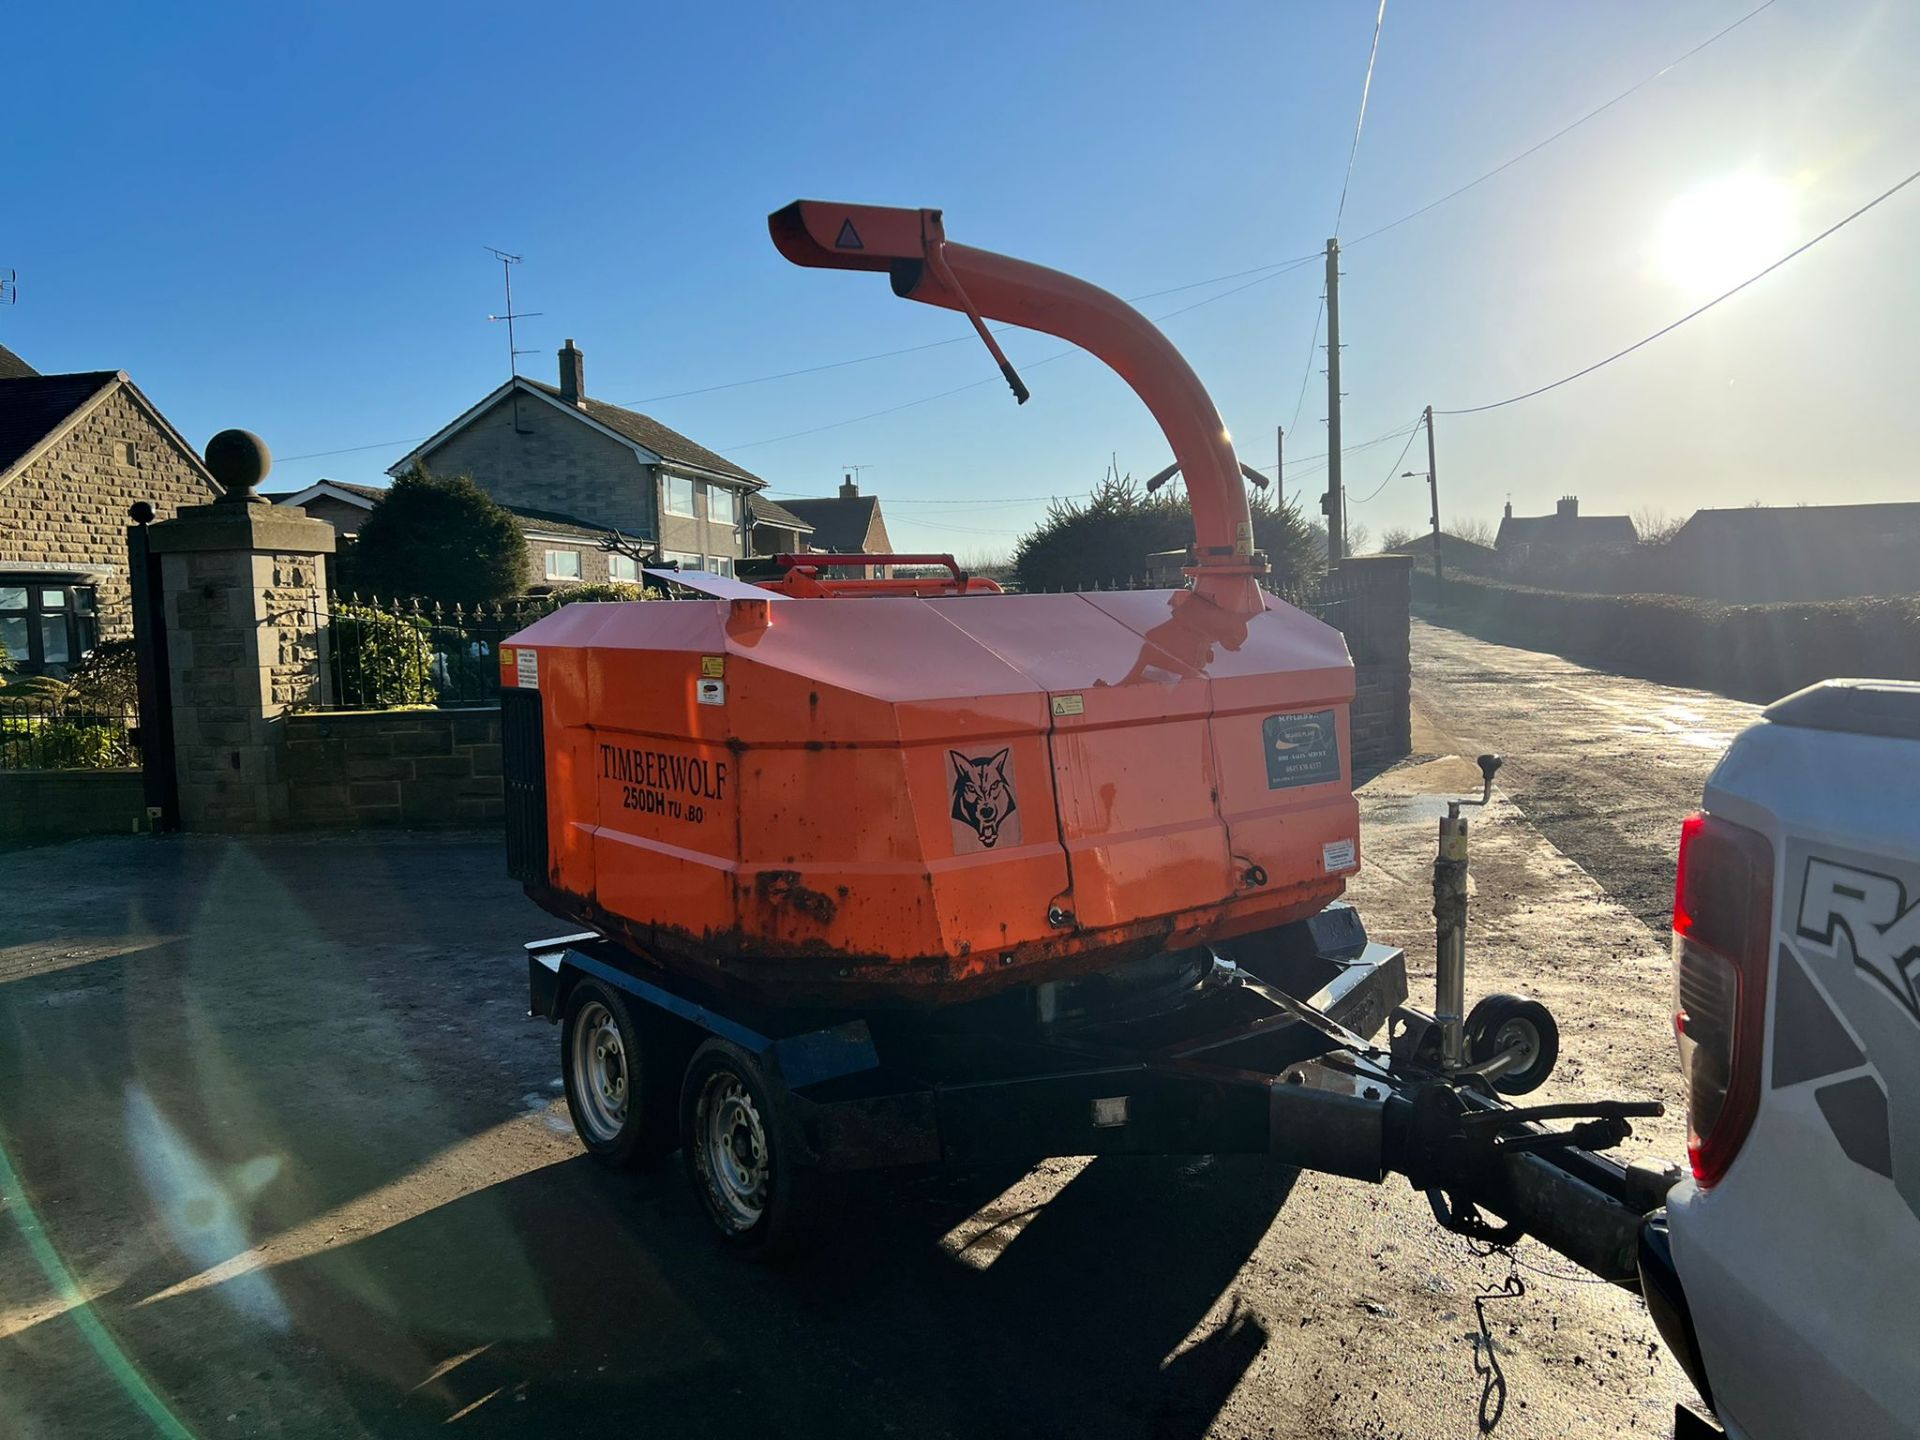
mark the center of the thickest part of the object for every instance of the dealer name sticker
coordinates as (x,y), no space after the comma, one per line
(1301,749)
(1337,855)
(526,668)
(710,692)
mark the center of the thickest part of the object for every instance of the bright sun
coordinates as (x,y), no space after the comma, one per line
(1715,236)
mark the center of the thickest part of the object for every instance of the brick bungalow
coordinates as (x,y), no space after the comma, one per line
(75,452)
(848,523)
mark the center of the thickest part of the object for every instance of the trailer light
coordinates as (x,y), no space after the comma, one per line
(1722,927)
(1110,1111)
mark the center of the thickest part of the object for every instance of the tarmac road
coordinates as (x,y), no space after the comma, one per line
(1604,765)
(280,1155)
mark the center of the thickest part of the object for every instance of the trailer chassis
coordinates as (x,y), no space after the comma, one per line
(1262,1045)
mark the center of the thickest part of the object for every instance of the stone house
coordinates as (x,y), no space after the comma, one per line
(75,452)
(562,550)
(1565,529)
(846,524)
(554,450)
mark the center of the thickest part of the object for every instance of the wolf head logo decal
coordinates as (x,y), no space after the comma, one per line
(983,798)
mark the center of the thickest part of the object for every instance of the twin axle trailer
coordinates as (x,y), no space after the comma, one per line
(1263,1046)
(899,871)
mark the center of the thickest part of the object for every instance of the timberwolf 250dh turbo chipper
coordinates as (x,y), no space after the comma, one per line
(895,872)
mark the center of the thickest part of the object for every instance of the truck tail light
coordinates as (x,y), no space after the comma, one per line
(1722,936)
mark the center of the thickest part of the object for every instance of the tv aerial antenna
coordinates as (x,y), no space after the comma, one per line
(507,262)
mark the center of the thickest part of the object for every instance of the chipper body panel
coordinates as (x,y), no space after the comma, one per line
(834,790)
(932,798)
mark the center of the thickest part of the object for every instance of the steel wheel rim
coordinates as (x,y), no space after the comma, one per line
(734,1154)
(600,1073)
(1524,1034)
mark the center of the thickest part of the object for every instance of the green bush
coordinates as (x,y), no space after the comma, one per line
(108,679)
(442,539)
(36,742)
(379,660)
(600,590)
(1107,538)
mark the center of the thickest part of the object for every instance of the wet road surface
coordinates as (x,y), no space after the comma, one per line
(1605,766)
(280,1155)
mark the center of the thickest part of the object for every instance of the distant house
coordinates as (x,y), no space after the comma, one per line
(847,524)
(1455,554)
(1802,552)
(75,452)
(1565,529)
(553,450)
(562,550)
(776,529)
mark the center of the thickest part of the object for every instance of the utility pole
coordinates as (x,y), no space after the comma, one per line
(1335,501)
(1433,485)
(1280,464)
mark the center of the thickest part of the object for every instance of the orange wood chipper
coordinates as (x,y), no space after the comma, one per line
(902,871)
(883,789)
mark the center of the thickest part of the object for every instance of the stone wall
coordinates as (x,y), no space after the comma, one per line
(1374,601)
(69,507)
(37,806)
(414,768)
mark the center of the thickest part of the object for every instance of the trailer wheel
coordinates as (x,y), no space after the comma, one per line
(741,1152)
(622,1106)
(1500,1022)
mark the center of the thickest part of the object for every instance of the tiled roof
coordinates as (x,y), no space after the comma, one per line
(33,407)
(12,367)
(552,522)
(1750,522)
(669,445)
(767,512)
(1566,530)
(840,524)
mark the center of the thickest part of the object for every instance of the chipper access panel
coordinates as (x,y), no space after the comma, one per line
(903,872)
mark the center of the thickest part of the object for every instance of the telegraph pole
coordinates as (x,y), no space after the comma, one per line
(1280,464)
(1433,485)
(1335,501)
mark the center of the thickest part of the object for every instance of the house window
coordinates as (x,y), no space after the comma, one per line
(46,627)
(723,506)
(679,495)
(623,567)
(719,565)
(563,564)
(682,559)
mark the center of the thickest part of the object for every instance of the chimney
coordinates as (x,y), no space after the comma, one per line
(1568,508)
(573,374)
(1509,509)
(849,490)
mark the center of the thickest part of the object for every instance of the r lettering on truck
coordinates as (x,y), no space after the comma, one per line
(1883,928)
(667,783)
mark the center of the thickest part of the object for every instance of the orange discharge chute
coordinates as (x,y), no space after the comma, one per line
(862,792)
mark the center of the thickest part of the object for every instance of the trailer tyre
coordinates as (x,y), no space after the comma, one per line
(1500,1022)
(742,1152)
(621,1104)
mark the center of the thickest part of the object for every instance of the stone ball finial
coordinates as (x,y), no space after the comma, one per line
(239,460)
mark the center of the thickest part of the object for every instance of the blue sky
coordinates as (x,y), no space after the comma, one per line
(273,217)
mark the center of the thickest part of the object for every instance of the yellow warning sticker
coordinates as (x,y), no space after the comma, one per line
(1069,705)
(713,667)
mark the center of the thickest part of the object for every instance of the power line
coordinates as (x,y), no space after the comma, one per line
(1395,471)
(1366,88)
(1266,271)
(1691,314)
(1563,130)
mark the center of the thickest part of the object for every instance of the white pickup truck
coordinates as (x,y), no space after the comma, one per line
(1785,1273)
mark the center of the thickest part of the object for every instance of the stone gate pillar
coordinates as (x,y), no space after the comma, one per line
(244,600)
